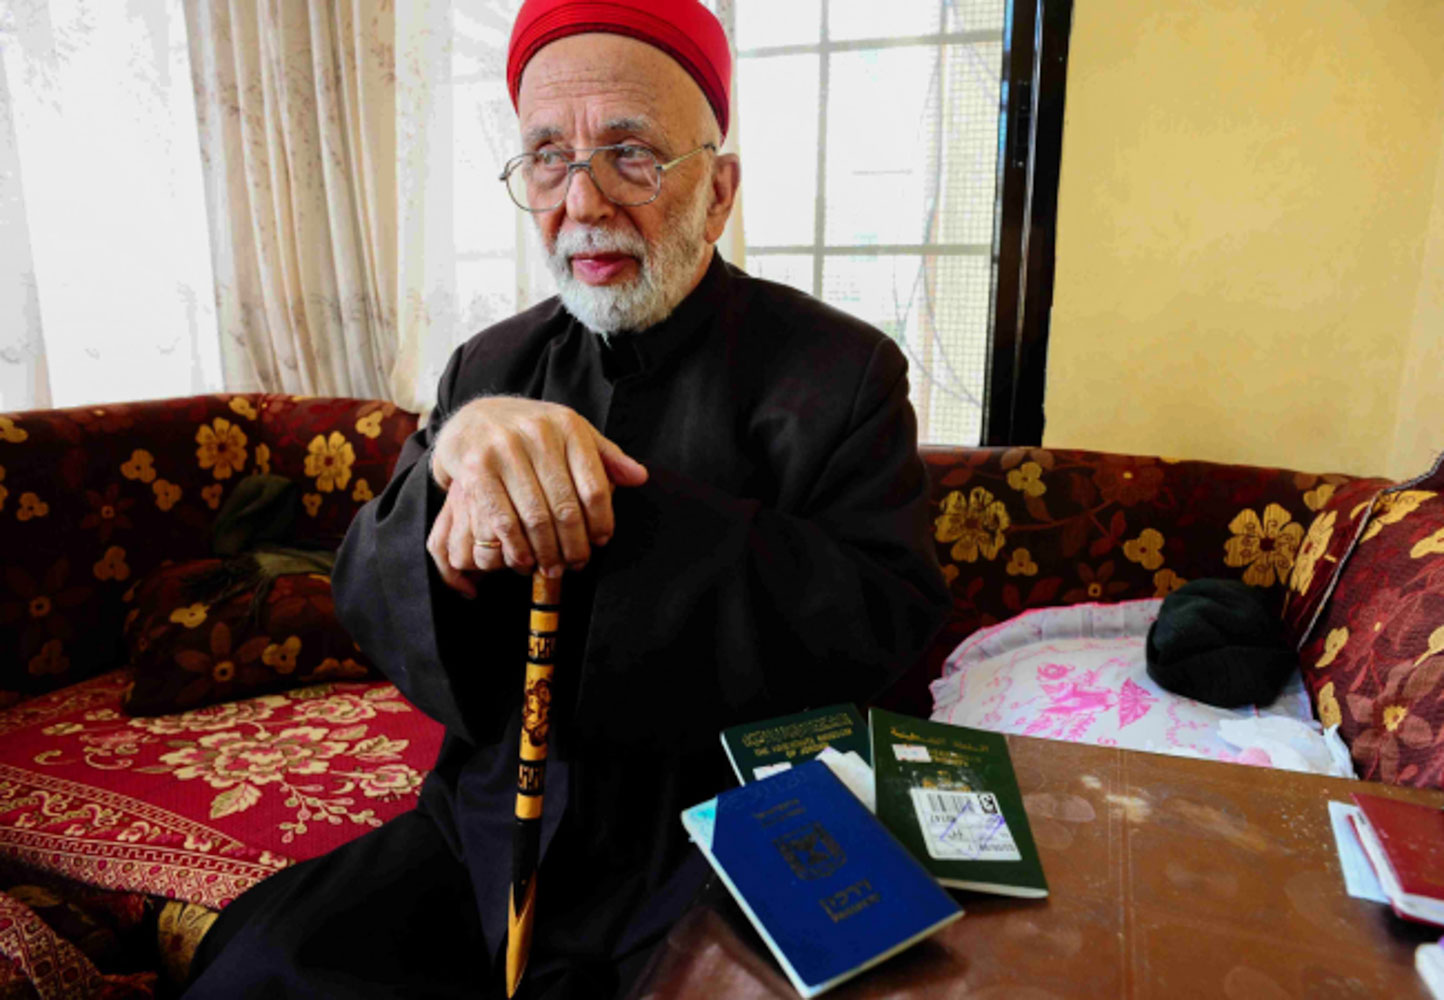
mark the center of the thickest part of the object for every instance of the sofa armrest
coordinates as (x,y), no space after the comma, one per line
(93,498)
(1023,528)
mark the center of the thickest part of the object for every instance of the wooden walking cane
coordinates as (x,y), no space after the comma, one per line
(546,597)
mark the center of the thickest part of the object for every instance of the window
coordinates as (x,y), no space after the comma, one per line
(870,135)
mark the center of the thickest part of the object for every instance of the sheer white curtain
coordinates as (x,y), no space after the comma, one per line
(466,256)
(297,101)
(105,281)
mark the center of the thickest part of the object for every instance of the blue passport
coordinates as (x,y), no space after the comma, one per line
(830,890)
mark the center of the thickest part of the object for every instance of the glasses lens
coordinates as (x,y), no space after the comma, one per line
(627,175)
(537,180)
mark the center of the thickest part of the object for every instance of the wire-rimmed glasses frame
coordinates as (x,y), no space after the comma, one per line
(654,172)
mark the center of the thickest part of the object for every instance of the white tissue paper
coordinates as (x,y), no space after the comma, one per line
(1290,744)
(853,772)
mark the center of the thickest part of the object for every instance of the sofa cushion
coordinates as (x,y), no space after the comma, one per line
(1331,532)
(1373,657)
(1079,674)
(187,653)
(200,805)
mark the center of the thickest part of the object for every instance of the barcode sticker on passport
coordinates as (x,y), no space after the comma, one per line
(966,826)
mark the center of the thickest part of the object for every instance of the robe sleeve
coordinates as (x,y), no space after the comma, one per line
(714,609)
(426,638)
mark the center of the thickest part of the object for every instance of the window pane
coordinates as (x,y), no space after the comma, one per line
(881,113)
(898,169)
(768,22)
(788,269)
(976,15)
(872,19)
(936,308)
(968,169)
(853,19)
(778,140)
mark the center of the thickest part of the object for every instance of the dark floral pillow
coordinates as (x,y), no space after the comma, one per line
(1374,658)
(1333,529)
(187,653)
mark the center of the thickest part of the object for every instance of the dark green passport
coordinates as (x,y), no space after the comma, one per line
(758,749)
(949,794)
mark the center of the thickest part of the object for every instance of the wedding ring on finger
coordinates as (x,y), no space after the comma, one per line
(489,545)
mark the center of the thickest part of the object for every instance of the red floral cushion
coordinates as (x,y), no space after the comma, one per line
(1332,531)
(1374,657)
(201,805)
(187,654)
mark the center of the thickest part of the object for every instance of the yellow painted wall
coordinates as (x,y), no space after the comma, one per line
(1419,426)
(1247,191)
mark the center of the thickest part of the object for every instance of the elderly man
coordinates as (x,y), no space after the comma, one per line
(724,469)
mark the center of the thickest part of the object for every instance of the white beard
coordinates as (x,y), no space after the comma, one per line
(665,271)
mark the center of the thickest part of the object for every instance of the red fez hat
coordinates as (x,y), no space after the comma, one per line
(684,29)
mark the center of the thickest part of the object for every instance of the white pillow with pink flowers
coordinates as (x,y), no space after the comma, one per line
(1079,674)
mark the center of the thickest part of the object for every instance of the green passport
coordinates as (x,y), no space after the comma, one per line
(758,749)
(949,794)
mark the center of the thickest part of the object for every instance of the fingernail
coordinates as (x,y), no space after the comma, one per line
(604,539)
(578,566)
(554,571)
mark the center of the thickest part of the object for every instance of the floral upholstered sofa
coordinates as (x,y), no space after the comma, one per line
(1356,566)
(268,739)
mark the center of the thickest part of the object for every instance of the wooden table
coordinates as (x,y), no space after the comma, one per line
(1170,878)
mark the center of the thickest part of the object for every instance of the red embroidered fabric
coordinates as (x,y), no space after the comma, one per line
(50,964)
(199,806)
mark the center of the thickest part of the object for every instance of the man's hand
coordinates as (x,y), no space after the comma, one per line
(529,484)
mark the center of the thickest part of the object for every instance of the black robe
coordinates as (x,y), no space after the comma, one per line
(778,557)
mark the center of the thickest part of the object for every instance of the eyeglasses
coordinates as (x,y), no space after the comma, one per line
(625,174)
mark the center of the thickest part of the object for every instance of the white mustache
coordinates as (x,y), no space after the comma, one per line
(595,240)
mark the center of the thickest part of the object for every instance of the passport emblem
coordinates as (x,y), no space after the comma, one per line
(810,852)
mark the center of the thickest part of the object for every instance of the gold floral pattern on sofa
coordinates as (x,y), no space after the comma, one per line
(1021,528)
(187,653)
(93,498)
(1107,527)
(1368,613)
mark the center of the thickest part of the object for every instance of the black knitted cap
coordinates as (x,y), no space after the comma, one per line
(1222,643)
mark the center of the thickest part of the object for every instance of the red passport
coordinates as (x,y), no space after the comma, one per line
(1405,844)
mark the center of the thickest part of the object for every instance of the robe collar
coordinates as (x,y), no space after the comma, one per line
(641,353)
